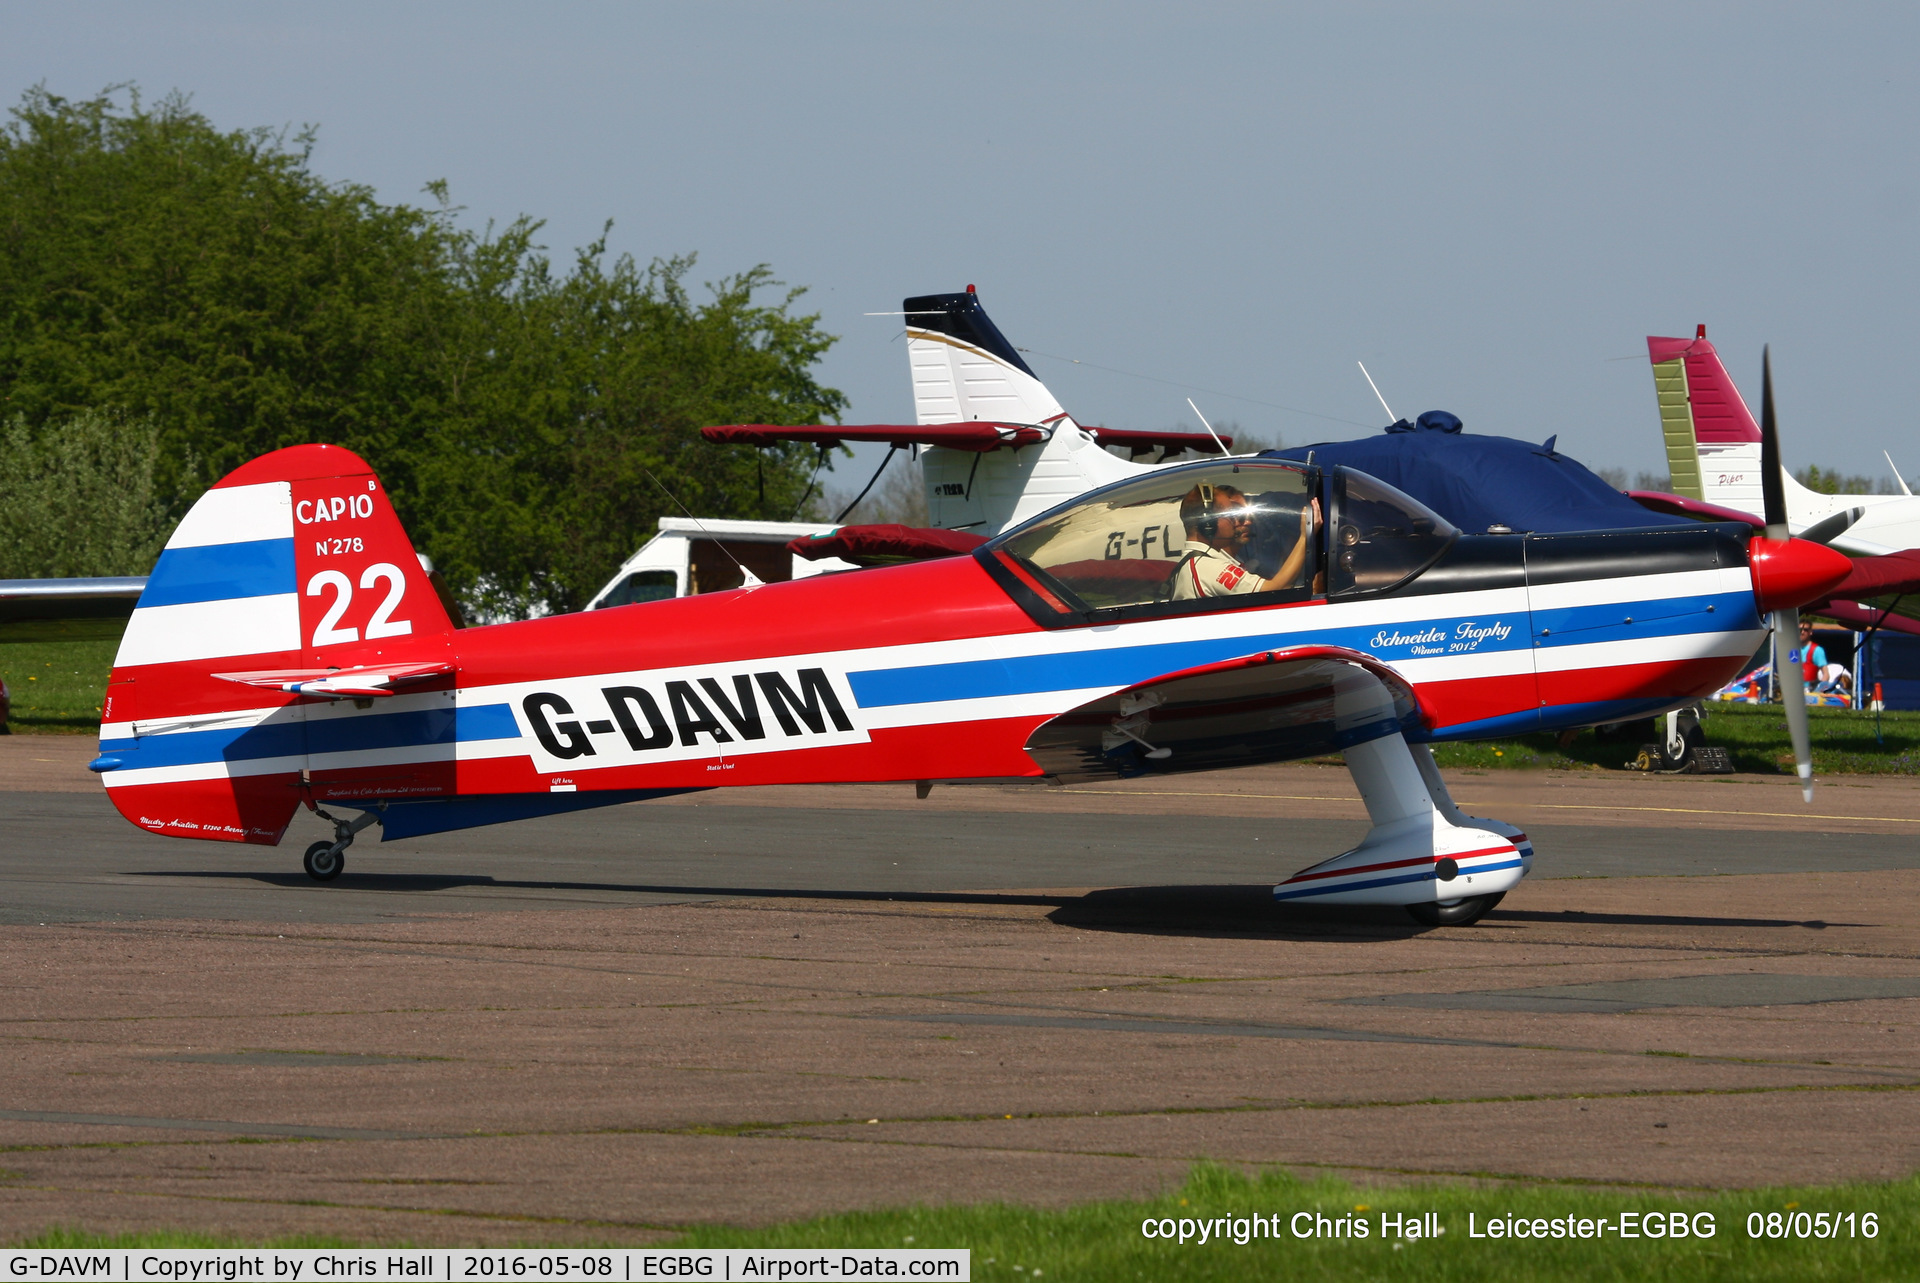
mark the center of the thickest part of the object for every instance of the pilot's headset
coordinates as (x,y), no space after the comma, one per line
(1200,512)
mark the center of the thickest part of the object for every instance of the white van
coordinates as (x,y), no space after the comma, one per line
(689,557)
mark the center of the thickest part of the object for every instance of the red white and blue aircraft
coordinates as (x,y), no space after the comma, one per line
(289,650)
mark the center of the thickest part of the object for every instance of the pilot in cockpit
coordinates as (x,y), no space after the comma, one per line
(1220,527)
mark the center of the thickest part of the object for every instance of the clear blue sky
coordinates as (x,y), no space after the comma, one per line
(1486,203)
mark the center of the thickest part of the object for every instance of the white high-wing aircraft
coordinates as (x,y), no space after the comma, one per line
(997,446)
(1713,453)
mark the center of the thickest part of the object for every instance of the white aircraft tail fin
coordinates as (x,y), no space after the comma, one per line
(964,368)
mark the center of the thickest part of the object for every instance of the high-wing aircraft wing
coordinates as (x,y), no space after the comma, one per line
(885,544)
(1699,509)
(977,436)
(52,598)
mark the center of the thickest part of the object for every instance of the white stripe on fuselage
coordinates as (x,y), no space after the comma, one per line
(1259,628)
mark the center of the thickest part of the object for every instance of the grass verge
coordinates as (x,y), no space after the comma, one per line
(1754,735)
(1104,1241)
(56,670)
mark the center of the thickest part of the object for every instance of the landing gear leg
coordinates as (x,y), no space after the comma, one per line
(1443,803)
(325,860)
(1421,853)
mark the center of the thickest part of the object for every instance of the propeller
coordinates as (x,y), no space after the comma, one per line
(1786,623)
(1827,529)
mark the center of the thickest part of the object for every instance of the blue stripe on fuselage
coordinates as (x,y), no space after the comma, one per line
(1435,638)
(331,735)
(221,572)
(1635,620)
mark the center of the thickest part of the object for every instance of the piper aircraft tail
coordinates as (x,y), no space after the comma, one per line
(1713,444)
(291,577)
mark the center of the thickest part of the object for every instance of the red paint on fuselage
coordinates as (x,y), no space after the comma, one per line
(947,600)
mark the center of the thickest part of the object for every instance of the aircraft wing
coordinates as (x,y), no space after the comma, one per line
(57,598)
(1860,618)
(1269,706)
(1139,442)
(978,436)
(885,545)
(1699,509)
(369,681)
(1895,574)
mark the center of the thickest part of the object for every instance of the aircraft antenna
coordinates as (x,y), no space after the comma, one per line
(1209,427)
(1896,474)
(747,578)
(1376,391)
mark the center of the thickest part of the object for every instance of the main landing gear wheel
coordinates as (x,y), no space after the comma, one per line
(324,863)
(1456,913)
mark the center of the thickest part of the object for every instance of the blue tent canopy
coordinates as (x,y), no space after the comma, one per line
(1479,481)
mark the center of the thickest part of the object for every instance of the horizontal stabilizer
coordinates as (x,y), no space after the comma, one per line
(976,436)
(365,682)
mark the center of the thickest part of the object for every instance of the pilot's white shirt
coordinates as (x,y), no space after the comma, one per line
(1205,571)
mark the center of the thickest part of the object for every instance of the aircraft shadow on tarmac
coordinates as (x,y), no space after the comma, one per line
(1164,910)
(1214,911)
(1662,920)
(421,882)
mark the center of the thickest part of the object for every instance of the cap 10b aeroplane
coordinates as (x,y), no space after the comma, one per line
(288,649)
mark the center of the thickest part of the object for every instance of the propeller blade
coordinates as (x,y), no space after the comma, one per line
(1773,493)
(1791,679)
(1827,529)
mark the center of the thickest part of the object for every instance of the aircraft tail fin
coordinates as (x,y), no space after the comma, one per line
(1713,443)
(963,370)
(963,367)
(287,569)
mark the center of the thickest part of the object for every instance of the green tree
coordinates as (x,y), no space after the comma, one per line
(79,499)
(151,262)
(574,406)
(1819,479)
(209,283)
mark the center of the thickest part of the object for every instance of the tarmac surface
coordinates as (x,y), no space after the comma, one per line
(767,1004)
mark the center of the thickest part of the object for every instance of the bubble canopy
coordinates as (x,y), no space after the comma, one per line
(1217,535)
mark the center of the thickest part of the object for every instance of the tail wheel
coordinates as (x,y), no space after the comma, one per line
(324,863)
(1456,913)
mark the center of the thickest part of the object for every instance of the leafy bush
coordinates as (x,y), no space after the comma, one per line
(77,497)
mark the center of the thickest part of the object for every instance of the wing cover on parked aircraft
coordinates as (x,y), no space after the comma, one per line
(885,545)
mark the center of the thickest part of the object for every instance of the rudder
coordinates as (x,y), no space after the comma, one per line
(295,561)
